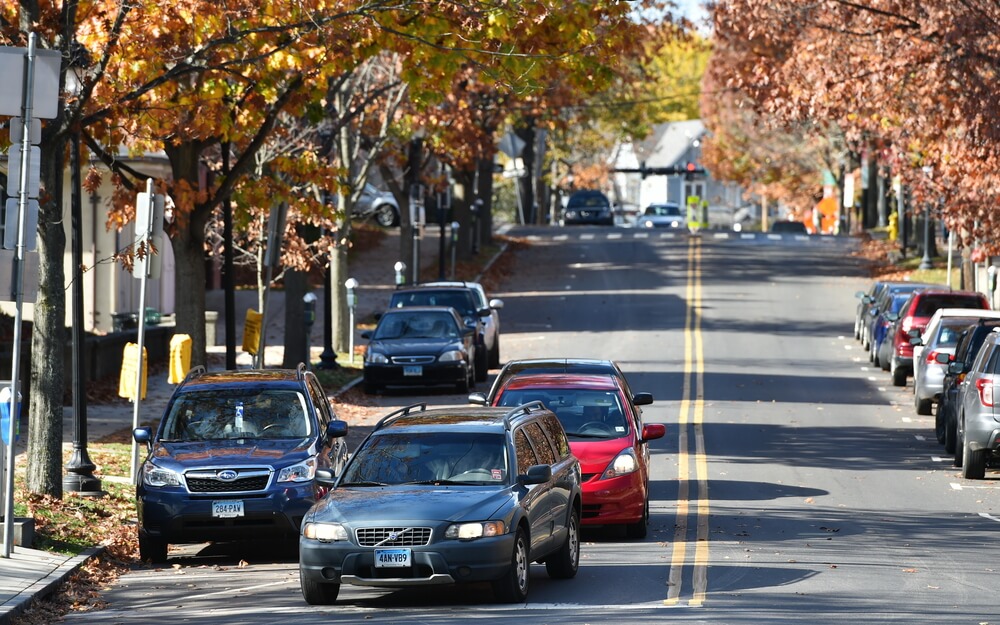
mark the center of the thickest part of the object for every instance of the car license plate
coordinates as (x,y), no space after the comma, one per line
(227,509)
(413,370)
(392,558)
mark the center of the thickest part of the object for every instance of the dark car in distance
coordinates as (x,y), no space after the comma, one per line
(234,457)
(448,496)
(465,301)
(419,346)
(588,207)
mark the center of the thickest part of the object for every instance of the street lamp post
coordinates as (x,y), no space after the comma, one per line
(454,246)
(328,358)
(925,262)
(352,300)
(79,476)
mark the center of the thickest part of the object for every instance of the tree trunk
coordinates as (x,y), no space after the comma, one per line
(189,282)
(461,200)
(48,338)
(526,187)
(484,190)
(339,273)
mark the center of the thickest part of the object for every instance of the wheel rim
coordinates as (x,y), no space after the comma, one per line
(521,565)
(574,542)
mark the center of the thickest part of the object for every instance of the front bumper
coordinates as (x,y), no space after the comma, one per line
(444,562)
(176,516)
(617,501)
(431,374)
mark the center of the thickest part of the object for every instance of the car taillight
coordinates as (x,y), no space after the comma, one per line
(985,388)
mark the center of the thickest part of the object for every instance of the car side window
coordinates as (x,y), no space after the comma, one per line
(557,435)
(321,403)
(543,449)
(994,361)
(982,359)
(525,454)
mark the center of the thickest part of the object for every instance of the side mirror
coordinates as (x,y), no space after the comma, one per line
(325,477)
(914,333)
(143,436)
(653,431)
(956,367)
(859,294)
(496,304)
(942,358)
(916,340)
(642,399)
(892,317)
(336,429)
(537,474)
(479,399)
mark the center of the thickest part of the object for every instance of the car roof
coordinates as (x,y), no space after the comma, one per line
(417,417)
(562,365)
(967,312)
(561,380)
(201,380)
(417,309)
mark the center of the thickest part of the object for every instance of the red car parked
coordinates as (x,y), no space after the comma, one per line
(605,433)
(913,318)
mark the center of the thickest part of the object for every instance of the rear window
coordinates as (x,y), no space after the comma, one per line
(931,303)
(593,200)
(460,300)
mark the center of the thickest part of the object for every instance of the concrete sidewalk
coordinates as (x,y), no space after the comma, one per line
(30,573)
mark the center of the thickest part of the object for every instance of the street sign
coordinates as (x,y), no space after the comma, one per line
(511,145)
(30,225)
(34,171)
(45,92)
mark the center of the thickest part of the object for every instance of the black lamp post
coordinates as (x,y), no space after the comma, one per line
(79,476)
(328,358)
(925,262)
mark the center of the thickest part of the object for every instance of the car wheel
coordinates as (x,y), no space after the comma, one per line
(317,593)
(465,384)
(495,355)
(898,375)
(923,406)
(639,529)
(371,388)
(959,444)
(973,463)
(152,549)
(949,436)
(482,366)
(565,562)
(386,216)
(939,425)
(513,586)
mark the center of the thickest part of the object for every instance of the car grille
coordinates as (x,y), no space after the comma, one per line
(246,480)
(382,536)
(412,360)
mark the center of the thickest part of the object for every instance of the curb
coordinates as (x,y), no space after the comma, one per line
(45,586)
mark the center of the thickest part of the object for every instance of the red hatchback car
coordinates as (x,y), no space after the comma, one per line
(605,433)
(913,318)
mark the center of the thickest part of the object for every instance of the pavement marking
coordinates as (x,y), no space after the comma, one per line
(919,437)
(614,235)
(642,235)
(937,459)
(668,235)
(907,420)
(586,237)
(561,237)
(693,407)
(986,515)
(956,486)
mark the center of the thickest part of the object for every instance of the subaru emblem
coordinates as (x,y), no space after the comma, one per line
(227,475)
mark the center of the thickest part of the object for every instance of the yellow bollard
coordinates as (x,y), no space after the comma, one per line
(251,332)
(126,381)
(893,226)
(180,358)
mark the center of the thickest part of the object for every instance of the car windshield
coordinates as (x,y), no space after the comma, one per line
(221,414)
(664,211)
(416,326)
(583,413)
(459,300)
(429,457)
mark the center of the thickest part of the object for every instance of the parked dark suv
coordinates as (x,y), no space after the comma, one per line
(235,457)
(966,350)
(977,441)
(446,496)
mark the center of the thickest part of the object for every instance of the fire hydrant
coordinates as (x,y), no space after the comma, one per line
(893,226)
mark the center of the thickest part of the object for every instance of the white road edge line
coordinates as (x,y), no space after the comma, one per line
(986,515)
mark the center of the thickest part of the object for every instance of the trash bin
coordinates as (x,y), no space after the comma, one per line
(211,318)
(122,322)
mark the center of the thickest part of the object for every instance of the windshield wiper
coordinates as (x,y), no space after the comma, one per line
(364,483)
(582,435)
(434,482)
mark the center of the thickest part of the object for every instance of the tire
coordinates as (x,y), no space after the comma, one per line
(959,444)
(495,355)
(923,406)
(898,375)
(566,562)
(481,364)
(973,463)
(316,593)
(949,436)
(386,216)
(371,388)
(513,586)
(639,529)
(873,355)
(152,549)
(464,385)
(940,424)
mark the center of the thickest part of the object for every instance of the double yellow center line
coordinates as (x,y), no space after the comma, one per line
(692,412)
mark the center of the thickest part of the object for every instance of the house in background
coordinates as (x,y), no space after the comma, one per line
(108,289)
(673,145)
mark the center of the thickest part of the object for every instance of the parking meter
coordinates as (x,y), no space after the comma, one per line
(352,300)
(400,268)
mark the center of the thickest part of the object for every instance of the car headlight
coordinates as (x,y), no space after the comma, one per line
(571,214)
(376,358)
(301,472)
(324,532)
(623,464)
(451,356)
(471,531)
(647,224)
(675,224)
(153,475)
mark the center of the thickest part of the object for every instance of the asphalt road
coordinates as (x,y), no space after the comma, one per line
(795,484)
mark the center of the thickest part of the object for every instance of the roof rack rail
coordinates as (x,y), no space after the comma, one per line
(194,372)
(522,409)
(402,412)
(300,371)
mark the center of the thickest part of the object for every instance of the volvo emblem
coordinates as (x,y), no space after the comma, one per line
(227,475)
(393,536)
